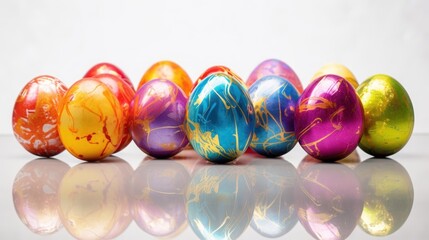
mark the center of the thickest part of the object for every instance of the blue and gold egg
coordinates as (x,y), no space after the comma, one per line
(220,118)
(274,99)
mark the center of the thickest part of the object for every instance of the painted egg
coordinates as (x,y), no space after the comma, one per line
(170,71)
(125,94)
(329,201)
(274,99)
(218,69)
(274,67)
(329,118)
(219,201)
(220,118)
(94,199)
(158,197)
(389,115)
(34,118)
(35,194)
(158,113)
(275,212)
(108,68)
(339,70)
(388,196)
(90,121)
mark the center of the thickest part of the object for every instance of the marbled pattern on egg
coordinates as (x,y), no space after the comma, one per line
(329,118)
(34,118)
(220,118)
(125,94)
(274,99)
(158,113)
(90,121)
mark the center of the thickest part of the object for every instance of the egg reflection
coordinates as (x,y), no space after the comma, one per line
(351,161)
(34,194)
(388,196)
(329,200)
(275,211)
(94,199)
(158,197)
(219,201)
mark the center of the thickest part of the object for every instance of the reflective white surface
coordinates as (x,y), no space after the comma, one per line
(167,181)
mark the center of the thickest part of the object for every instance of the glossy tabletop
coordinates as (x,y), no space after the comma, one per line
(131,196)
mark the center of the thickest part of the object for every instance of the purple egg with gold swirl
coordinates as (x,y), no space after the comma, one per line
(329,118)
(158,112)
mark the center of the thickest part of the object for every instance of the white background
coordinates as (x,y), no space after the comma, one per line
(65,38)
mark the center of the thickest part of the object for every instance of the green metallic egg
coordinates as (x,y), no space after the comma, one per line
(389,115)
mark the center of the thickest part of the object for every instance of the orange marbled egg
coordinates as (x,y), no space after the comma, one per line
(90,121)
(125,94)
(168,70)
(34,118)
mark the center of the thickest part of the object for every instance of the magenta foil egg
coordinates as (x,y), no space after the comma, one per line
(158,112)
(329,118)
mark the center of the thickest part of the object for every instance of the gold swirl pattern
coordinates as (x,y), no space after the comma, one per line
(274,100)
(90,120)
(329,118)
(219,118)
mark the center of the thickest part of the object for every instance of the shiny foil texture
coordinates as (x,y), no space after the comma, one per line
(389,115)
(220,118)
(274,99)
(158,113)
(90,121)
(168,70)
(34,118)
(329,118)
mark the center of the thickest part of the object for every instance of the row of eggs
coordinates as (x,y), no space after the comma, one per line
(220,114)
